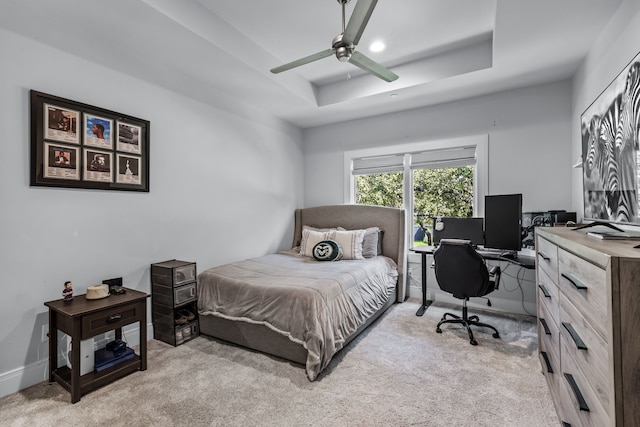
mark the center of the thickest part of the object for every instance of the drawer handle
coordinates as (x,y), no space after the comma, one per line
(575,282)
(574,335)
(545,326)
(544,256)
(544,291)
(114,318)
(581,402)
(547,362)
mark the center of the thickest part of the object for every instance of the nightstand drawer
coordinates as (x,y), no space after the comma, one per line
(109,319)
(585,285)
(547,258)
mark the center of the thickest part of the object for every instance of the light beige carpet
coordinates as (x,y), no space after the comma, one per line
(399,372)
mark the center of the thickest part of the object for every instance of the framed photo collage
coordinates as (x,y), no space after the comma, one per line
(76,145)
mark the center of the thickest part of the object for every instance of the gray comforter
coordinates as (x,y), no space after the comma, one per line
(316,304)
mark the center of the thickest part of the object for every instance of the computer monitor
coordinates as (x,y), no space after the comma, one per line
(503,222)
(458,228)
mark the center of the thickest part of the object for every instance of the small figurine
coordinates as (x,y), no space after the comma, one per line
(67,293)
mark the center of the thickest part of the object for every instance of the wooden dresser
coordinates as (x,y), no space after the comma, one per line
(589,326)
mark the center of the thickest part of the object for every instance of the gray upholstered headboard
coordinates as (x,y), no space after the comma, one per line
(353,217)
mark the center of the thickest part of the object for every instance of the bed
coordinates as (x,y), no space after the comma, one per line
(301,309)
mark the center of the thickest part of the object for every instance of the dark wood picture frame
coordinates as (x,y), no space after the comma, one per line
(76,145)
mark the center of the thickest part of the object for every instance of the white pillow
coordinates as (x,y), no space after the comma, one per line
(350,242)
(311,238)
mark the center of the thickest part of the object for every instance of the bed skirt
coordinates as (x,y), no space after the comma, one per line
(264,339)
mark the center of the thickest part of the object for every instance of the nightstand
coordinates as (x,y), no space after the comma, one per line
(82,319)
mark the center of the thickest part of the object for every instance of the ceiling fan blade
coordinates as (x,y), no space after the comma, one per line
(302,61)
(358,21)
(360,60)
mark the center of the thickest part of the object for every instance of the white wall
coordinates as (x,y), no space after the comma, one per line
(224,184)
(528,143)
(616,47)
(529,153)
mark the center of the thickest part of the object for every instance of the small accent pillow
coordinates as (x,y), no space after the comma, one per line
(327,250)
(311,238)
(350,242)
(372,242)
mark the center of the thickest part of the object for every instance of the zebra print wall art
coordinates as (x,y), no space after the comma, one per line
(610,129)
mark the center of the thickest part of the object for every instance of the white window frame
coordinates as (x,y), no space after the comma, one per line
(480,178)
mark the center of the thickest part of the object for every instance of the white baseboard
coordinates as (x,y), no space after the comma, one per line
(23,377)
(34,373)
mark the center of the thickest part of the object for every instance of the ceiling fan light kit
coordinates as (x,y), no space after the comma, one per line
(343,52)
(344,44)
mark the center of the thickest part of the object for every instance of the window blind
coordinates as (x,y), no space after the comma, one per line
(443,158)
(430,159)
(378,164)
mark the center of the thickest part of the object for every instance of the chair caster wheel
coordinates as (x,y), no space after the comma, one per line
(496,335)
(473,342)
(474,318)
(438,330)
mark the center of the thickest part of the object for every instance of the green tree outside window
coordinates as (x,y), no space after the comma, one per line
(437,192)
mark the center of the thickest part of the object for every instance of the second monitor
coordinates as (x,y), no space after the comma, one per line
(458,228)
(503,222)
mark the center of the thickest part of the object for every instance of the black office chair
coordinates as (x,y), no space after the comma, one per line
(461,271)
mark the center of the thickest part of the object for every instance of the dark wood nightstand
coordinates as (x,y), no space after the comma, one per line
(82,319)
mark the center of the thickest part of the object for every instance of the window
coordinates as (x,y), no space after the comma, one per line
(379,180)
(438,178)
(382,189)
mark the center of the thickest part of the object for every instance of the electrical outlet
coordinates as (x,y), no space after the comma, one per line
(45,333)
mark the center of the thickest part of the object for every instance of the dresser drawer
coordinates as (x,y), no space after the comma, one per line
(585,285)
(549,333)
(587,349)
(551,370)
(110,319)
(576,393)
(547,258)
(548,295)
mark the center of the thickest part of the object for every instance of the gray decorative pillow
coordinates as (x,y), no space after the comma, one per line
(372,242)
(327,250)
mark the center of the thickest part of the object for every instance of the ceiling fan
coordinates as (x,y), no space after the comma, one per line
(344,44)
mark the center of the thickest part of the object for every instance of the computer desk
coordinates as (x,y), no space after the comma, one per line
(525,261)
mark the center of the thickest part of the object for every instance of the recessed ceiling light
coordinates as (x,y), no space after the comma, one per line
(377,46)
